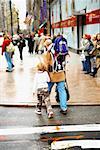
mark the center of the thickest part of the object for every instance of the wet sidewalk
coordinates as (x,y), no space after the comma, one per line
(16,87)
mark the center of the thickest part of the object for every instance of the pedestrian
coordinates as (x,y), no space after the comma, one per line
(36,43)
(93,55)
(40,85)
(21,44)
(41,44)
(30,42)
(8,54)
(83,44)
(96,52)
(87,50)
(56,71)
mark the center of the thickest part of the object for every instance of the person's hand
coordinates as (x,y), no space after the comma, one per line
(90,52)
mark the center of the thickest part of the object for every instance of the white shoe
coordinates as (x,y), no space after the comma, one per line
(21,62)
(50,115)
(38,111)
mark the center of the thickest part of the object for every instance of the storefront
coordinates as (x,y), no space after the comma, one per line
(78,23)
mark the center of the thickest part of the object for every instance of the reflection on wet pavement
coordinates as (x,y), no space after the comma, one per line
(16,87)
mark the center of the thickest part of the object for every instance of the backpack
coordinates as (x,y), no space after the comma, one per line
(60,46)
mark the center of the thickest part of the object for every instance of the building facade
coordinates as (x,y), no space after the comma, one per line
(73,18)
(6,21)
(37,15)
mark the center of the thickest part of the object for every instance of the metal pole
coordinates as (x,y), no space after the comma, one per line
(10,6)
(3,16)
(18,27)
(49,18)
(60,14)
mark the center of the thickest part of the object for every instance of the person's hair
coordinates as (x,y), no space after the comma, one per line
(94,37)
(97,36)
(41,67)
(6,36)
(88,36)
(47,42)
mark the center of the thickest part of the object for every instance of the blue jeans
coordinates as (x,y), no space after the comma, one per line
(83,64)
(9,61)
(88,64)
(62,93)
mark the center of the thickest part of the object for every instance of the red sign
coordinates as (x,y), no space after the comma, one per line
(56,25)
(71,22)
(92,17)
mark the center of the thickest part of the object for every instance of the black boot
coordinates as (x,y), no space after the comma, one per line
(95,71)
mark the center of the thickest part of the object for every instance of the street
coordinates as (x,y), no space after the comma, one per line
(84,89)
(25,127)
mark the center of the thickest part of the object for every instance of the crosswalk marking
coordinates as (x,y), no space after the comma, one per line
(71,143)
(49,129)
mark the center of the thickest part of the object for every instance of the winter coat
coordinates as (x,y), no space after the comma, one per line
(6,42)
(21,43)
(54,76)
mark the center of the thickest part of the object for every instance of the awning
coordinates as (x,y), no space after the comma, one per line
(81,12)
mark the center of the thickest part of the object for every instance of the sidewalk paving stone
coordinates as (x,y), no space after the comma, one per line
(16,87)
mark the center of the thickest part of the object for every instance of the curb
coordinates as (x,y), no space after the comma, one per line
(53,105)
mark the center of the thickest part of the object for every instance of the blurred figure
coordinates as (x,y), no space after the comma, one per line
(84,42)
(30,42)
(36,43)
(6,42)
(21,44)
(15,39)
(88,49)
(41,44)
(92,55)
(96,52)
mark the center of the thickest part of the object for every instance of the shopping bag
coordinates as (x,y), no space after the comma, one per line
(10,48)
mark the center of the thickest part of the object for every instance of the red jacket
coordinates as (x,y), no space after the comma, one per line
(6,42)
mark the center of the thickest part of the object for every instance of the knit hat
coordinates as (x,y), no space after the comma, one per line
(88,36)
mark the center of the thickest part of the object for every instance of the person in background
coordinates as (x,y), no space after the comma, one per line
(21,44)
(96,52)
(93,55)
(6,42)
(40,85)
(87,50)
(41,43)
(53,38)
(36,43)
(84,42)
(30,40)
